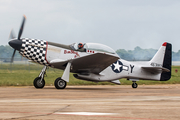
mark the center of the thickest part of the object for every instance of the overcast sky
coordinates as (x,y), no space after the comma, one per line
(120,24)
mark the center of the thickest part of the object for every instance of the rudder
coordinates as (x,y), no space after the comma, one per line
(167,62)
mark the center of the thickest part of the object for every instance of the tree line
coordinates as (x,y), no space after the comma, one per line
(138,54)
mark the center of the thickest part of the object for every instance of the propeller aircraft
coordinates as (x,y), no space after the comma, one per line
(90,61)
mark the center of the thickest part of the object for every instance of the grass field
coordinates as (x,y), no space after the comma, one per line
(23,75)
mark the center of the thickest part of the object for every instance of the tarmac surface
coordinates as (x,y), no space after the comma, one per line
(147,102)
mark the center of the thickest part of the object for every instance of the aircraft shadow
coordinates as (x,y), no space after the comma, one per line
(79,88)
(92,88)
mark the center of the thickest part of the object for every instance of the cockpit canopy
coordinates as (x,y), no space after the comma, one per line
(93,46)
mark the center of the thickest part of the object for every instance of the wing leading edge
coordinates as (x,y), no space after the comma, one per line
(93,63)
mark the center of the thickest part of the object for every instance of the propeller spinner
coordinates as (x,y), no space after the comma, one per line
(16,43)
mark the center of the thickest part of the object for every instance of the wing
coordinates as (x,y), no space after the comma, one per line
(93,63)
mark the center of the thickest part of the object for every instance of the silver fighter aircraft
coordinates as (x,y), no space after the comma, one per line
(90,61)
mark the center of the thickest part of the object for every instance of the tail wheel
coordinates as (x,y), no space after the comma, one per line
(38,83)
(134,85)
(59,83)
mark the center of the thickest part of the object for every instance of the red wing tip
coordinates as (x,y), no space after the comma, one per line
(164,44)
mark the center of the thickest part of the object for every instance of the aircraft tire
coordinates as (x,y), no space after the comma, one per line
(59,83)
(38,84)
(134,85)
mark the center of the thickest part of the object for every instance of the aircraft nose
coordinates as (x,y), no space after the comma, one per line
(16,44)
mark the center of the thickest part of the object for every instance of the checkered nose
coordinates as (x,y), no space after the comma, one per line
(16,44)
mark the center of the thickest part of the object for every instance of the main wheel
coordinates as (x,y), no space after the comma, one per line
(134,85)
(38,83)
(59,83)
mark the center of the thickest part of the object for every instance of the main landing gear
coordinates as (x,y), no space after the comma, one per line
(39,81)
(59,83)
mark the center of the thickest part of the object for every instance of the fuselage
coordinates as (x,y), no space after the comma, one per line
(43,52)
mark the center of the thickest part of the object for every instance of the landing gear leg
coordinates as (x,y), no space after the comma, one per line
(60,83)
(134,85)
(39,81)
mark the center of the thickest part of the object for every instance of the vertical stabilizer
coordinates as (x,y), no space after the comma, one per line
(163,58)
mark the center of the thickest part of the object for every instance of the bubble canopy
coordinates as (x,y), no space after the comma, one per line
(93,46)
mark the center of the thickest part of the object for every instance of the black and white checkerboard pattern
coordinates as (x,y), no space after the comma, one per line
(34,49)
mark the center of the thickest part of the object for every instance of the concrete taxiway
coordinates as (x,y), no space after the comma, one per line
(147,102)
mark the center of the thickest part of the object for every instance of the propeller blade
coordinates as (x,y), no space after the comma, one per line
(12,58)
(21,28)
(12,35)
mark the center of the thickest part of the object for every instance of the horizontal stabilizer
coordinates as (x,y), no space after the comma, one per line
(156,69)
